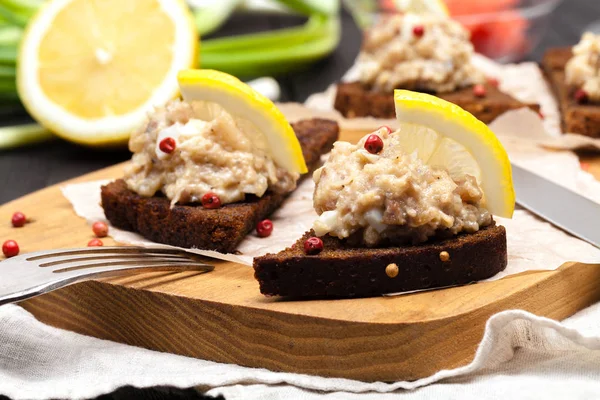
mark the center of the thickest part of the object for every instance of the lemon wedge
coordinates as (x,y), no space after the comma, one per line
(443,134)
(243,102)
(90,70)
(437,7)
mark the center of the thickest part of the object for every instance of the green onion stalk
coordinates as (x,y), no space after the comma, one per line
(246,56)
(21,135)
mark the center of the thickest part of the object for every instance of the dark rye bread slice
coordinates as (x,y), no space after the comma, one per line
(193,226)
(575,118)
(343,271)
(354,100)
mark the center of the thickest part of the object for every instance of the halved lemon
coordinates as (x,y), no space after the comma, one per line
(243,102)
(91,70)
(443,134)
(437,7)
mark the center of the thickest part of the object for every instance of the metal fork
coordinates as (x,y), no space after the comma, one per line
(32,274)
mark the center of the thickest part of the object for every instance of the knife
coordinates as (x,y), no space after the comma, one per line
(560,206)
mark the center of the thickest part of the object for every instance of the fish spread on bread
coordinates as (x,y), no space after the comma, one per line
(418,52)
(390,197)
(212,153)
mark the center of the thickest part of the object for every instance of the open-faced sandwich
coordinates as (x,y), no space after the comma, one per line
(207,169)
(426,53)
(403,210)
(574,75)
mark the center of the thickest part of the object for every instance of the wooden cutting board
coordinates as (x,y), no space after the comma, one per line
(221,315)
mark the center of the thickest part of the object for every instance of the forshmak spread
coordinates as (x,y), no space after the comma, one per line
(417,52)
(583,69)
(373,194)
(187,150)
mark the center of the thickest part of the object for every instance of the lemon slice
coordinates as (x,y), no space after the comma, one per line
(437,7)
(91,70)
(463,145)
(438,151)
(243,102)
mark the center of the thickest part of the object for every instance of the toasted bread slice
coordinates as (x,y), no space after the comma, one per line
(344,271)
(575,118)
(193,226)
(354,100)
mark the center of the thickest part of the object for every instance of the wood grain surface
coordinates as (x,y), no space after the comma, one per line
(221,315)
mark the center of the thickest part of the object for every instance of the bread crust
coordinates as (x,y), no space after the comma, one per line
(342,271)
(192,226)
(355,100)
(575,118)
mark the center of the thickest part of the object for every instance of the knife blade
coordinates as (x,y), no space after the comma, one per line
(558,205)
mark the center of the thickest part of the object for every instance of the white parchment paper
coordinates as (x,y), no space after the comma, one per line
(533,244)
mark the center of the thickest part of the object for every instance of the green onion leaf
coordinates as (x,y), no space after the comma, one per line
(10,35)
(13,16)
(246,63)
(210,18)
(314,28)
(21,135)
(26,8)
(310,7)
(8,85)
(8,55)
(7,71)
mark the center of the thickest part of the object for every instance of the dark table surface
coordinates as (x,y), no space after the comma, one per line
(29,169)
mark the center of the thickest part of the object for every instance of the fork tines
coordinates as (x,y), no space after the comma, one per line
(114,257)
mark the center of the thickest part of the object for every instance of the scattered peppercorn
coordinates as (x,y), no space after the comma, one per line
(264,228)
(313,245)
(95,243)
(494,81)
(479,90)
(387,128)
(18,219)
(581,96)
(167,145)
(444,256)
(211,200)
(100,229)
(418,30)
(374,144)
(10,248)
(392,270)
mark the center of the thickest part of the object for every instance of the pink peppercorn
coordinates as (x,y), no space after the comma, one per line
(167,145)
(374,144)
(479,90)
(211,200)
(313,245)
(18,219)
(264,228)
(100,229)
(95,243)
(10,248)
(418,30)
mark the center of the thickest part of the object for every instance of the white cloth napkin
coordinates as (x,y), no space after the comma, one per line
(521,356)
